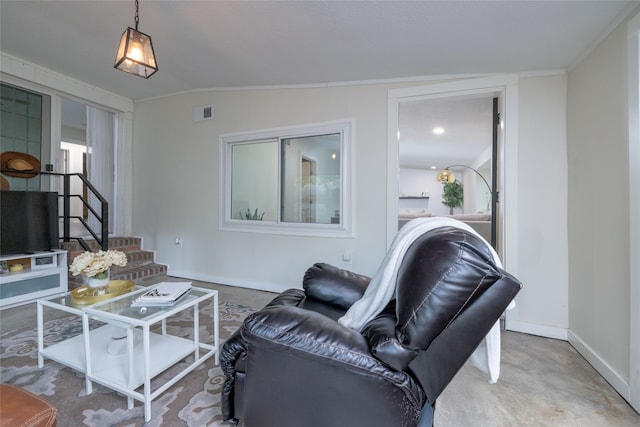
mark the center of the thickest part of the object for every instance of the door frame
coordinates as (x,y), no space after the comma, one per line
(506,86)
(633,75)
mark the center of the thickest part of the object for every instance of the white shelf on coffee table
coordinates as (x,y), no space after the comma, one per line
(112,369)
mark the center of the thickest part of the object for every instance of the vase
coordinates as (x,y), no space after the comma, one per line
(94,282)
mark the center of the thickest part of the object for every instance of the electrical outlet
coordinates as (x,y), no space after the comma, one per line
(346,258)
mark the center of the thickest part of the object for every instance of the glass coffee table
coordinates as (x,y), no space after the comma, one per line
(69,352)
(147,353)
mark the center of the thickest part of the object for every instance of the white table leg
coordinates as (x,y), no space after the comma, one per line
(147,373)
(196,331)
(87,351)
(40,335)
(216,335)
(130,342)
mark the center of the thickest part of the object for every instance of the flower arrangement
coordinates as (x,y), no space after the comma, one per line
(97,264)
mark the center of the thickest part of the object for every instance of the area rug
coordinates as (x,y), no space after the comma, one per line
(192,401)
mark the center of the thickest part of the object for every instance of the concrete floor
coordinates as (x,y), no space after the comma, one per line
(543,382)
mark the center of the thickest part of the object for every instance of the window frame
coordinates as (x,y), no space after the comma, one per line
(227,141)
(38,183)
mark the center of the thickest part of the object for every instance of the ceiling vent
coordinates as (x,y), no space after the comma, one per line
(203,113)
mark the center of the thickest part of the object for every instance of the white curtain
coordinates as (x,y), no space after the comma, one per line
(100,161)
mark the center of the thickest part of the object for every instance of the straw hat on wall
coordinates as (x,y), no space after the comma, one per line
(19,165)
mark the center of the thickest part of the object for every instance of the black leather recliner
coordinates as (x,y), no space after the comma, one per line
(292,364)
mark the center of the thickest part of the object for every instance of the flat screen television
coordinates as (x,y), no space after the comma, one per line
(28,222)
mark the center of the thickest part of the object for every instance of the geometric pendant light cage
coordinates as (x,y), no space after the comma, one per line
(135,53)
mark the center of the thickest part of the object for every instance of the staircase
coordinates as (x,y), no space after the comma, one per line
(141,266)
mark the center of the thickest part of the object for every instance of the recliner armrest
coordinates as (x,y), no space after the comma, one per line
(333,285)
(305,369)
(234,353)
(383,343)
(315,336)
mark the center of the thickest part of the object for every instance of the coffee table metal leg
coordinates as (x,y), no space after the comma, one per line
(147,373)
(130,342)
(196,331)
(40,336)
(87,351)
(216,335)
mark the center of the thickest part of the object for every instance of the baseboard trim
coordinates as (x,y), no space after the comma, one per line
(603,368)
(535,329)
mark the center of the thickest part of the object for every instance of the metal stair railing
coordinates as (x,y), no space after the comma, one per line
(102,217)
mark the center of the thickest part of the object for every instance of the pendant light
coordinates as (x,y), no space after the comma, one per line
(135,52)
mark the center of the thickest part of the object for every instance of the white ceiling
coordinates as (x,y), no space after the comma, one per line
(218,44)
(467,123)
(223,44)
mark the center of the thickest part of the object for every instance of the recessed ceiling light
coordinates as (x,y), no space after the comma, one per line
(438,131)
(434,167)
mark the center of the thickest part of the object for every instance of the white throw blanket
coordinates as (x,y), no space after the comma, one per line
(381,290)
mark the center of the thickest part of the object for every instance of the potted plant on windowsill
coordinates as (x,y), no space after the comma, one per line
(452,195)
(252,216)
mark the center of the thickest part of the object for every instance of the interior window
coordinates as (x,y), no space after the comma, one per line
(288,181)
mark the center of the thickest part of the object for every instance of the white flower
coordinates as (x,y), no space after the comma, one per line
(92,263)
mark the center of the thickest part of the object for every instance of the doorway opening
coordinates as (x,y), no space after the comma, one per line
(417,113)
(447,150)
(87,147)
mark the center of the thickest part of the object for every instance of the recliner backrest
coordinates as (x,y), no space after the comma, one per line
(441,274)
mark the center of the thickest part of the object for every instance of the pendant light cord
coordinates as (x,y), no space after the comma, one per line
(137,18)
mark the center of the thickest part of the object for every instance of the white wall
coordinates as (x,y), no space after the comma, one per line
(532,201)
(414,182)
(542,207)
(176,190)
(633,75)
(599,285)
(176,183)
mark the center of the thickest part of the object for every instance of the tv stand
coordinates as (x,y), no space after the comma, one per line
(43,274)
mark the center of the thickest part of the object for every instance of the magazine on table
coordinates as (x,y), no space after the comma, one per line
(163,294)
